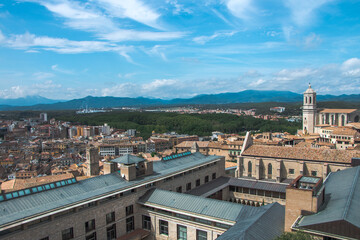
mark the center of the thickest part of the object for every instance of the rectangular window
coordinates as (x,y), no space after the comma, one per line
(67,234)
(179,189)
(164,227)
(111,232)
(146,222)
(129,224)
(291,171)
(201,235)
(232,189)
(313,173)
(181,232)
(90,225)
(206,179)
(188,186)
(110,217)
(213,176)
(129,210)
(91,236)
(198,182)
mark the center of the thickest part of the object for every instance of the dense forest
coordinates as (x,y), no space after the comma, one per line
(202,125)
(198,124)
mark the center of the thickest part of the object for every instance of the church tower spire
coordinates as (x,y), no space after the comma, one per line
(309,110)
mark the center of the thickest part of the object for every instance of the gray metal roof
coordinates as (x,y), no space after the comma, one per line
(260,185)
(27,206)
(305,179)
(220,183)
(192,204)
(266,223)
(209,188)
(342,189)
(128,159)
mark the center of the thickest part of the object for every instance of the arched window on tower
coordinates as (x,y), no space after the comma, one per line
(269,171)
(305,99)
(249,169)
(310,100)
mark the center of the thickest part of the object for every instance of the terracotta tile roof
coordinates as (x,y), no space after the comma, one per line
(355,125)
(188,144)
(302,153)
(328,110)
(31,182)
(344,131)
(230,164)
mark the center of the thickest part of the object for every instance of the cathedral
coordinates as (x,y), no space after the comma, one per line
(313,117)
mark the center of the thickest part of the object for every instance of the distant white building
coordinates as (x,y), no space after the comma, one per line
(106,129)
(278,109)
(43,117)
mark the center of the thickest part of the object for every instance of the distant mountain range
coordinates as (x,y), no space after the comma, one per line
(40,103)
(27,101)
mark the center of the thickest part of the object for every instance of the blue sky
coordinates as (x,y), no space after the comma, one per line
(65,49)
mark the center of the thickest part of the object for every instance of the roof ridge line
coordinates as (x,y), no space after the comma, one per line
(351,193)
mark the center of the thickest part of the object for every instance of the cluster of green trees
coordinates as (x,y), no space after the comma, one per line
(197,124)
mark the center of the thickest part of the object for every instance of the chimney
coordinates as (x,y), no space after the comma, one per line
(110,167)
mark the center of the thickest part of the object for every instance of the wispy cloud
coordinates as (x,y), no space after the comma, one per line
(303,12)
(42,75)
(179,8)
(56,68)
(133,35)
(101,18)
(205,39)
(133,9)
(30,41)
(243,9)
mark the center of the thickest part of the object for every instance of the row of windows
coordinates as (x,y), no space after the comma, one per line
(197,183)
(147,221)
(189,172)
(181,231)
(68,234)
(111,231)
(257,192)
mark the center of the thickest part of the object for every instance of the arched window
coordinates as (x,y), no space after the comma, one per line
(249,169)
(356,119)
(310,100)
(342,120)
(269,171)
(305,99)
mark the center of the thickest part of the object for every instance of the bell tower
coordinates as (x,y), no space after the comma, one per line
(309,110)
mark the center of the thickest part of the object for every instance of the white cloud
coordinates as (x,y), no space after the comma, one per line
(294,74)
(179,8)
(243,9)
(2,37)
(43,75)
(303,12)
(157,50)
(132,35)
(351,67)
(133,9)
(80,17)
(90,17)
(46,88)
(126,75)
(61,70)
(30,41)
(257,83)
(312,40)
(205,39)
